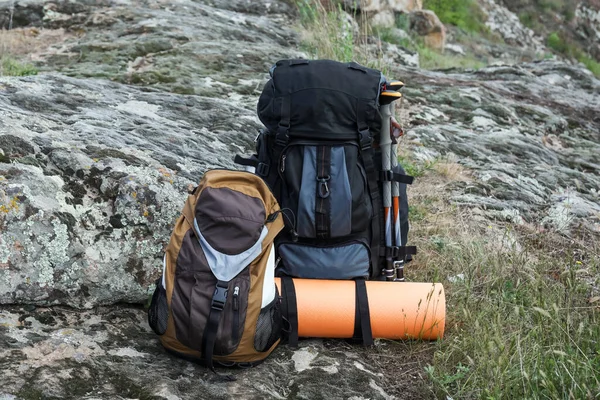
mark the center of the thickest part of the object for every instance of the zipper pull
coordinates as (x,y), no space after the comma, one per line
(236,293)
(283,163)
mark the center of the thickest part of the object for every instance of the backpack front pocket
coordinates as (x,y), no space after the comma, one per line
(346,260)
(158,312)
(325,188)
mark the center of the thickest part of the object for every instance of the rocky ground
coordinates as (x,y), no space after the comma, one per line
(529,134)
(135,99)
(111,353)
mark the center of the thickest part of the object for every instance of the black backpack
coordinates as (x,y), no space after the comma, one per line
(316,153)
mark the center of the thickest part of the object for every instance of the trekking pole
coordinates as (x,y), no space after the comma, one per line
(385,142)
(398,264)
(396,133)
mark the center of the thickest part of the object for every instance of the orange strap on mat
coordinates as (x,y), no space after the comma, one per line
(397,310)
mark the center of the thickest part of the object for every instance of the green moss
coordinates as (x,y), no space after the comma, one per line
(403,21)
(555,42)
(465,14)
(4,159)
(29,393)
(100,153)
(12,67)
(184,90)
(151,47)
(591,64)
(559,43)
(417,212)
(387,35)
(330,36)
(432,59)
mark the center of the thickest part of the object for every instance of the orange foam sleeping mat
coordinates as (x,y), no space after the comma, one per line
(398,310)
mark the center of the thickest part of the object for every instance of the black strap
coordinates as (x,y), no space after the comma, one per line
(210,331)
(322,203)
(362,317)
(366,151)
(298,62)
(385,176)
(397,251)
(280,142)
(358,67)
(246,162)
(290,308)
(283,129)
(264,161)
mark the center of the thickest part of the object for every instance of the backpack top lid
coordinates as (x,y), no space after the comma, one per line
(232,219)
(321,99)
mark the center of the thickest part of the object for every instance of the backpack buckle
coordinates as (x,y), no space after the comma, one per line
(262,169)
(219,297)
(281,138)
(364,137)
(392,252)
(386,176)
(323,189)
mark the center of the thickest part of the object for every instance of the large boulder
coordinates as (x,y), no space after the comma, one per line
(112,354)
(222,49)
(383,12)
(427,24)
(93,175)
(507,24)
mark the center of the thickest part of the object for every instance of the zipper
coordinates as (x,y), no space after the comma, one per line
(286,149)
(327,246)
(236,315)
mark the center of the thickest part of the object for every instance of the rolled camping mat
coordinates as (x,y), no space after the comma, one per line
(398,310)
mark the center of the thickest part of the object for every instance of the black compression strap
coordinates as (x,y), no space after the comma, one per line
(322,203)
(210,331)
(397,251)
(366,150)
(385,176)
(264,162)
(246,162)
(283,129)
(290,308)
(362,317)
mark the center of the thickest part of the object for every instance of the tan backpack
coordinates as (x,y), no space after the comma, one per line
(216,301)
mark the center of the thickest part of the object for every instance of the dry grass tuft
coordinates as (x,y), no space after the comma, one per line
(523,312)
(452,171)
(30,44)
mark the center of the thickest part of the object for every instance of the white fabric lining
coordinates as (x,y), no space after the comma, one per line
(225,267)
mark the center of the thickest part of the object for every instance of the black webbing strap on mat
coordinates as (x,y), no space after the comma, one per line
(362,318)
(366,151)
(290,308)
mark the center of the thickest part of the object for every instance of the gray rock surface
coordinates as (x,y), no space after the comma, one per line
(506,23)
(112,354)
(94,175)
(97,154)
(587,16)
(211,48)
(529,134)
